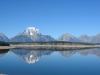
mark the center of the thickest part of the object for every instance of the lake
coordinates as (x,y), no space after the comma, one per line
(50,62)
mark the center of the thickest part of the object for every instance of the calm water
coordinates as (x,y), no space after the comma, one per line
(32,62)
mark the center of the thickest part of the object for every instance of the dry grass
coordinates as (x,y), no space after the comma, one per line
(6,47)
(50,46)
(55,46)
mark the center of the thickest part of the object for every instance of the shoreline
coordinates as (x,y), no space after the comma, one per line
(59,47)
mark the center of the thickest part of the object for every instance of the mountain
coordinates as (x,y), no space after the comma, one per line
(31,34)
(90,39)
(85,38)
(21,38)
(3,37)
(68,37)
(96,38)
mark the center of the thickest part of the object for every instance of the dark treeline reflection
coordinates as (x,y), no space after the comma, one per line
(3,52)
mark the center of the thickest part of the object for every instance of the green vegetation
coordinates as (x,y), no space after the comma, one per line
(50,43)
(3,43)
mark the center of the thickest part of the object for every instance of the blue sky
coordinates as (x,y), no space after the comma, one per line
(53,17)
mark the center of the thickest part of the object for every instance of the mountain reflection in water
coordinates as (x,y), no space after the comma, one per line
(49,62)
(83,52)
(33,56)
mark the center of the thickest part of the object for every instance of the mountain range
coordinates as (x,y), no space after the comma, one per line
(3,37)
(32,34)
(82,38)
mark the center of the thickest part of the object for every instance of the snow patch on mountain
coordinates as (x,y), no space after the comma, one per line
(31,31)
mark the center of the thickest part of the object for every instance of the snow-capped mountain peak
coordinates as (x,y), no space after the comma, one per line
(31,31)
(31,34)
